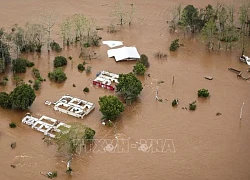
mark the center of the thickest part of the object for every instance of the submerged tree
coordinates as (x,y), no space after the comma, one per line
(111,107)
(189,18)
(22,97)
(120,12)
(129,86)
(244,19)
(4,51)
(208,32)
(48,18)
(69,139)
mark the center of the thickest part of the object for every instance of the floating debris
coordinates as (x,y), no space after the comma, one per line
(13,145)
(208,77)
(218,114)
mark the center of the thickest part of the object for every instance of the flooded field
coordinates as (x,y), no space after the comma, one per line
(201,144)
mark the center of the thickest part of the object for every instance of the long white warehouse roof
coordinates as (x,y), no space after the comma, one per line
(124,53)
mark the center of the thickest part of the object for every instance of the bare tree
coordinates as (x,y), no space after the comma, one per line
(79,21)
(48,18)
(66,31)
(120,12)
(131,13)
(176,17)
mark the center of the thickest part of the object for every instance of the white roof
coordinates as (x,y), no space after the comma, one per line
(112,44)
(124,53)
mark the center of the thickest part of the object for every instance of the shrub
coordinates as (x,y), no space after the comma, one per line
(70,58)
(203,93)
(36,72)
(86,44)
(192,106)
(52,174)
(144,60)
(29,63)
(81,67)
(86,89)
(19,65)
(30,81)
(174,45)
(57,75)
(60,61)
(139,69)
(160,55)
(12,125)
(37,84)
(88,69)
(175,102)
(55,46)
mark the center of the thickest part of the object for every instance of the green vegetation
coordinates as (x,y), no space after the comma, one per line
(69,139)
(86,89)
(144,60)
(129,86)
(29,63)
(4,100)
(192,106)
(60,61)
(203,93)
(139,68)
(37,84)
(12,125)
(21,97)
(81,67)
(111,107)
(4,81)
(88,69)
(55,46)
(19,65)
(57,75)
(174,45)
(175,102)
(52,174)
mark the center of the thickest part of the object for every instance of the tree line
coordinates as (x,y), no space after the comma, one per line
(218,25)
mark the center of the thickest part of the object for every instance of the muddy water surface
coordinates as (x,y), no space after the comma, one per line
(205,146)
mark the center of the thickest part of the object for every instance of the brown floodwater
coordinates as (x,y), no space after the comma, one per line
(203,145)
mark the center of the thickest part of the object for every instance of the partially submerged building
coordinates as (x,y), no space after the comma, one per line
(48,126)
(124,53)
(106,80)
(73,106)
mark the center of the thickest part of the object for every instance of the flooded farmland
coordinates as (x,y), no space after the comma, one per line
(201,144)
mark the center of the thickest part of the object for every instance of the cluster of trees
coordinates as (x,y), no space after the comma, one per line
(141,65)
(123,13)
(21,97)
(129,87)
(217,24)
(4,51)
(80,28)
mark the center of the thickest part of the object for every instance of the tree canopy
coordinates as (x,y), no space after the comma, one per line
(69,139)
(60,61)
(129,86)
(19,65)
(22,97)
(57,75)
(139,68)
(111,107)
(4,100)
